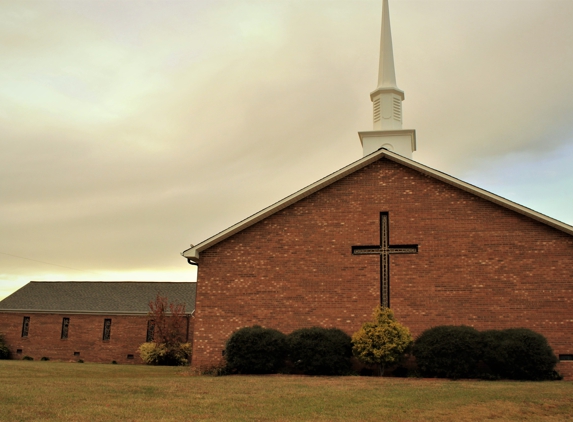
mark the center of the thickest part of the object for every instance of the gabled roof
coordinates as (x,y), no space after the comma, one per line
(130,297)
(192,253)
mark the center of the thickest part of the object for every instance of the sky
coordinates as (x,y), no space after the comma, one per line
(131,129)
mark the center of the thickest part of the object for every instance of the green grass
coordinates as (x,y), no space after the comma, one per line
(53,391)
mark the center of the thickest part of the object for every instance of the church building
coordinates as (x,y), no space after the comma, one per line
(101,322)
(387,230)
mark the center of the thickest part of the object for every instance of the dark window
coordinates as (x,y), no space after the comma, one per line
(130,356)
(565,357)
(19,351)
(150,331)
(106,329)
(65,325)
(76,353)
(25,326)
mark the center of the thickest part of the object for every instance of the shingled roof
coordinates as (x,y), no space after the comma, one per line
(96,297)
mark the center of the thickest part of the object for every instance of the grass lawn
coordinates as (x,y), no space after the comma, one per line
(96,392)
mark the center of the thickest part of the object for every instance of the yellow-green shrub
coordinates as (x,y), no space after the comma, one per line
(381,342)
(162,354)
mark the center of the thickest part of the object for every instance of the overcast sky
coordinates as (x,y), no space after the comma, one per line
(130,129)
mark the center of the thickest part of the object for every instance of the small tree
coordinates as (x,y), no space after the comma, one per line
(169,327)
(169,319)
(381,342)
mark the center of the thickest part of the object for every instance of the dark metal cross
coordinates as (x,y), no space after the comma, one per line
(384,250)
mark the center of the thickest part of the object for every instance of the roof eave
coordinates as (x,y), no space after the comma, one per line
(496,199)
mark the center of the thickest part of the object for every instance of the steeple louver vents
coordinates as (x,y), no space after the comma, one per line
(397,109)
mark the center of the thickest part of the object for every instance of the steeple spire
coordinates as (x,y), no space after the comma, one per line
(386,72)
(387,103)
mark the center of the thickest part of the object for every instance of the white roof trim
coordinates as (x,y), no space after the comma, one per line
(193,252)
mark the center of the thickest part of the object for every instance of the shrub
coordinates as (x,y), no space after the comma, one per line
(4,350)
(448,352)
(381,342)
(80,361)
(27,358)
(114,362)
(255,350)
(44,358)
(519,354)
(320,351)
(162,354)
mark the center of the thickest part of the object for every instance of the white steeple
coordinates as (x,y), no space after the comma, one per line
(387,103)
(386,72)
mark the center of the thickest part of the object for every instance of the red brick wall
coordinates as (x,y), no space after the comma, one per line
(478,264)
(84,335)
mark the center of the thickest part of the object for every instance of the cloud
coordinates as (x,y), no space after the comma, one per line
(131,129)
(498,76)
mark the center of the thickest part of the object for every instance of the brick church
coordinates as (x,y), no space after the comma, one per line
(101,322)
(387,230)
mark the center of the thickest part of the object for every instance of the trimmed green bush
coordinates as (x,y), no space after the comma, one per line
(4,350)
(518,354)
(448,352)
(27,358)
(463,352)
(255,350)
(320,351)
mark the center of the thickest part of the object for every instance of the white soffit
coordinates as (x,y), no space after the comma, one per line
(193,252)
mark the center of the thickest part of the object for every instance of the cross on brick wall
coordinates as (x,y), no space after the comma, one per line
(384,250)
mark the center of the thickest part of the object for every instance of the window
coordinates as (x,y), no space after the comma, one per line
(565,357)
(150,331)
(106,329)
(76,353)
(130,356)
(25,326)
(65,325)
